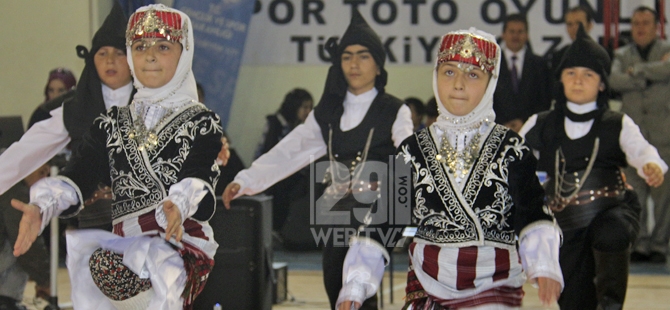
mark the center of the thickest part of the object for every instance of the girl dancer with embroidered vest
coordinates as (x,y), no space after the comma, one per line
(158,155)
(582,147)
(475,191)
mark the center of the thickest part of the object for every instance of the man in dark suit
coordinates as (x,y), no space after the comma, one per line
(573,17)
(524,86)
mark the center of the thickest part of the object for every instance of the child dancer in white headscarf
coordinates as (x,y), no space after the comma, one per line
(474,192)
(158,155)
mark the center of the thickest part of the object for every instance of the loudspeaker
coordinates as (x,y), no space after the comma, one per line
(280,287)
(242,277)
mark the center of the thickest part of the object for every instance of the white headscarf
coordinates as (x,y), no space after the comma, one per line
(182,87)
(484,110)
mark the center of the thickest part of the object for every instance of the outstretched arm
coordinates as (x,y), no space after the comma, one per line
(295,151)
(39,144)
(29,227)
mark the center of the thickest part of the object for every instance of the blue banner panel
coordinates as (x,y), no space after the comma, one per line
(220,29)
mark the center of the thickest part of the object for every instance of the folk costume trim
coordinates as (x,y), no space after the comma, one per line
(157,24)
(143,188)
(469,48)
(463,220)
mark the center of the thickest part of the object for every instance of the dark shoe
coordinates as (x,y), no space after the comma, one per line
(657,258)
(7,303)
(637,257)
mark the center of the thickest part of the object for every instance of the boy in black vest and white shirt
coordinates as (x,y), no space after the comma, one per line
(582,147)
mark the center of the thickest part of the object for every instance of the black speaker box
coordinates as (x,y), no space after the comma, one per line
(242,277)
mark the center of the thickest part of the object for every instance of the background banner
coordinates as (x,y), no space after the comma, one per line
(294,31)
(220,30)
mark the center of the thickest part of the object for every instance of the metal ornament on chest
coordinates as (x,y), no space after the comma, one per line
(561,185)
(458,163)
(145,138)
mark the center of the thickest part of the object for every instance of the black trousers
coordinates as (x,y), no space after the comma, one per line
(611,231)
(333,255)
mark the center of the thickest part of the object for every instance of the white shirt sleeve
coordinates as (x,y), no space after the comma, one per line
(186,195)
(300,147)
(528,125)
(637,149)
(53,195)
(37,146)
(538,248)
(295,151)
(362,270)
(402,126)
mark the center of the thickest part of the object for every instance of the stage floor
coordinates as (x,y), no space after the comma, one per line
(648,287)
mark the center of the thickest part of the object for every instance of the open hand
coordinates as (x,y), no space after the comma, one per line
(173,216)
(224,154)
(549,291)
(229,193)
(29,227)
(653,174)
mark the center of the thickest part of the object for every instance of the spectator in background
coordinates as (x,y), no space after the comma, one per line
(293,111)
(641,73)
(418,112)
(431,111)
(524,86)
(573,17)
(60,82)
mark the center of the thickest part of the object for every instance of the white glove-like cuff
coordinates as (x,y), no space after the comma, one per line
(186,195)
(54,195)
(362,271)
(538,248)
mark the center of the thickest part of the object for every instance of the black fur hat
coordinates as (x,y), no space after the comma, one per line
(358,32)
(584,52)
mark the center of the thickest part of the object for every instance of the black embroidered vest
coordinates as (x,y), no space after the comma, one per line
(140,179)
(482,213)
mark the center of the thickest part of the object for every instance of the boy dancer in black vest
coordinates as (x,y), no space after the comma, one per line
(582,147)
(355,121)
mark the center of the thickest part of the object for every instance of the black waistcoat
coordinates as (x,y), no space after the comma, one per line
(78,116)
(347,145)
(549,133)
